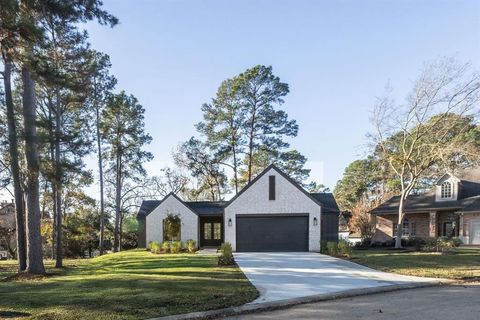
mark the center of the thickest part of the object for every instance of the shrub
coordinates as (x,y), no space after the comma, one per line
(457,242)
(416,243)
(344,248)
(323,247)
(154,246)
(191,245)
(364,243)
(332,248)
(175,247)
(226,255)
(441,244)
(166,246)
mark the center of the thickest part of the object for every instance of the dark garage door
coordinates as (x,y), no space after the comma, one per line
(272,233)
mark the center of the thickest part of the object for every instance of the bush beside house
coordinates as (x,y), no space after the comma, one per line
(173,247)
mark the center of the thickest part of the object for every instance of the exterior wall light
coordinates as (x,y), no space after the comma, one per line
(230,222)
(315,221)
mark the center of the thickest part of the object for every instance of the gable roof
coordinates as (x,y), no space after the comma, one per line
(205,208)
(416,203)
(289,179)
(468,196)
(148,206)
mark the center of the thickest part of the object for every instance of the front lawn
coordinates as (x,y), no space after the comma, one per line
(464,264)
(128,285)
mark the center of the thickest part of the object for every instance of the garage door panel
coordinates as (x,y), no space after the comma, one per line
(272,233)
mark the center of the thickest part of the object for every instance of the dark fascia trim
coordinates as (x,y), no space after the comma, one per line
(267,215)
(426,210)
(289,179)
(176,197)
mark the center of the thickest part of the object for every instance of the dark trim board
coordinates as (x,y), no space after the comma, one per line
(272,232)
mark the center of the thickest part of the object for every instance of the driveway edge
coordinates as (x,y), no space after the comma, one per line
(283,304)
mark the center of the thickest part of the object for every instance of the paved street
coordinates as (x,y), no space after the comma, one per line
(459,302)
(279,276)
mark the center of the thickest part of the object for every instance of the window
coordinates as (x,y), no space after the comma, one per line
(271,188)
(207,231)
(408,228)
(405,228)
(171,228)
(413,229)
(446,191)
(217,231)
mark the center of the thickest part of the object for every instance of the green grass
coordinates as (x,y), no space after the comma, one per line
(128,285)
(464,264)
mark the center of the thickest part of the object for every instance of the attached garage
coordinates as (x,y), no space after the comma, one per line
(272,233)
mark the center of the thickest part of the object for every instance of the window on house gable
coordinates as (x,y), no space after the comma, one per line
(446,190)
(271,188)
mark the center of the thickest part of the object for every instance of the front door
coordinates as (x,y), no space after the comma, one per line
(211,232)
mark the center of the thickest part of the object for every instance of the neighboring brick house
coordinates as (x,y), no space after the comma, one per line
(450,209)
(7,226)
(271,213)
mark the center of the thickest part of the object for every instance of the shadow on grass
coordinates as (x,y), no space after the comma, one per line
(129,297)
(13,314)
(131,286)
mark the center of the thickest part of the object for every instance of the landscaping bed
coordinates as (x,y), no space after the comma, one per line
(133,284)
(460,263)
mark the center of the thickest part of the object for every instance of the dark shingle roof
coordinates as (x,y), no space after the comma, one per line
(199,207)
(416,203)
(468,197)
(327,201)
(147,207)
(207,207)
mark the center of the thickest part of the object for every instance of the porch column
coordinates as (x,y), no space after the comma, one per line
(460,226)
(433,224)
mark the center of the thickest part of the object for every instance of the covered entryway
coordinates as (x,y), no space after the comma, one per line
(211,231)
(272,233)
(475,232)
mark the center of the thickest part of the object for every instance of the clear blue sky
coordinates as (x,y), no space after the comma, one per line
(336,56)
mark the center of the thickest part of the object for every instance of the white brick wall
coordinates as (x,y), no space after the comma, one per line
(288,200)
(171,205)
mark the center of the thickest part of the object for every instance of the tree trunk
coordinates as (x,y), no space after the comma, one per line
(15,167)
(34,238)
(118,194)
(235,167)
(250,144)
(58,182)
(53,184)
(398,239)
(100,170)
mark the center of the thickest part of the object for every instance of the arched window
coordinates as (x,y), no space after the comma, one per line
(172,228)
(446,191)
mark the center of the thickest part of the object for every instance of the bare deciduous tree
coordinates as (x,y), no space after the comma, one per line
(428,131)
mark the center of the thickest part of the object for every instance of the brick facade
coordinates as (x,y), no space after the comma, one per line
(428,224)
(384,225)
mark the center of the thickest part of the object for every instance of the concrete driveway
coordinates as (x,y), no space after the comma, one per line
(287,275)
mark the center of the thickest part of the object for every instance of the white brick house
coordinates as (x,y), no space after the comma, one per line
(272,213)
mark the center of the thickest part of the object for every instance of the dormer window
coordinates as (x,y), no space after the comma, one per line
(446,191)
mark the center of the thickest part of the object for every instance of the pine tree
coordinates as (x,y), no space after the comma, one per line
(122,127)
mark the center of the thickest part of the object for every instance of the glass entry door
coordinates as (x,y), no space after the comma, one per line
(211,232)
